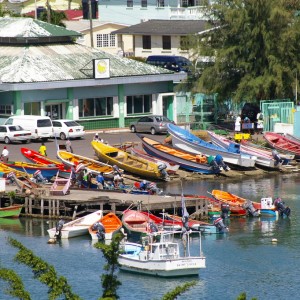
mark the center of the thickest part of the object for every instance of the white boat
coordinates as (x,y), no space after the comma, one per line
(159,255)
(185,140)
(75,228)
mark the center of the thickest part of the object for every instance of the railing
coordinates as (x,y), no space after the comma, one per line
(192,13)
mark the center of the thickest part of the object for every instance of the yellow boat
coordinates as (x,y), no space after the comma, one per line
(126,161)
(94,166)
(4,169)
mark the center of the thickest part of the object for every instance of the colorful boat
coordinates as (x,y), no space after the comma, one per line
(171,166)
(35,157)
(282,143)
(4,169)
(78,161)
(185,160)
(127,162)
(263,158)
(74,228)
(12,211)
(30,168)
(187,141)
(111,224)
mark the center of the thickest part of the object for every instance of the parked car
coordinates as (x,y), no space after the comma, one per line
(14,133)
(153,124)
(67,129)
(170,62)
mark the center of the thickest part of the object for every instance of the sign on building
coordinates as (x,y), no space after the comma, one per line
(101,68)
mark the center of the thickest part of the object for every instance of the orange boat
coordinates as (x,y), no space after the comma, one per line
(111,225)
(236,203)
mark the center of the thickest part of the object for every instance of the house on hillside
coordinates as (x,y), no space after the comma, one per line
(44,72)
(161,37)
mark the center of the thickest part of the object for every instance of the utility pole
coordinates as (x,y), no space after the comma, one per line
(91,22)
(48,12)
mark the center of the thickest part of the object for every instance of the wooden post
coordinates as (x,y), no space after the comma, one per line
(26,205)
(74,212)
(30,206)
(42,207)
(57,208)
(112,207)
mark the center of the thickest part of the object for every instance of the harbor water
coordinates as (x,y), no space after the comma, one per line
(244,260)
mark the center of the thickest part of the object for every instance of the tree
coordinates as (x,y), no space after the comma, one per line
(56,17)
(255,43)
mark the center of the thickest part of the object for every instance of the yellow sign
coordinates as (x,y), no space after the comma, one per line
(101,68)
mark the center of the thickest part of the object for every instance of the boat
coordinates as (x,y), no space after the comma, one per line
(268,208)
(263,158)
(127,162)
(31,168)
(74,228)
(160,254)
(185,160)
(12,211)
(238,206)
(171,167)
(185,140)
(292,137)
(35,157)
(4,169)
(78,161)
(111,225)
(282,143)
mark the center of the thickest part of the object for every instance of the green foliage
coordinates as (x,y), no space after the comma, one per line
(56,17)
(16,285)
(44,272)
(178,291)
(243,296)
(4,11)
(256,50)
(109,280)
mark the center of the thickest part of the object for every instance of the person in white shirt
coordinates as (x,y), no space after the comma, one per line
(237,125)
(5,154)
(260,122)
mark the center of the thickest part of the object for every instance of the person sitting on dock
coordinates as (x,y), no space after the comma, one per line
(118,179)
(100,181)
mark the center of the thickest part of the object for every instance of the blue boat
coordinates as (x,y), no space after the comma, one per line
(186,141)
(184,159)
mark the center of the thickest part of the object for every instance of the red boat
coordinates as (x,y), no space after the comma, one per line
(36,157)
(282,143)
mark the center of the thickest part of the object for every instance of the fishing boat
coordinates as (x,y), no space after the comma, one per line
(31,168)
(74,228)
(185,160)
(292,137)
(282,143)
(171,167)
(263,158)
(185,140)
(238,206)
(160,254)
(91,165)
(127,162)
(4,169)
(35,157)
(12,211)
(106,227)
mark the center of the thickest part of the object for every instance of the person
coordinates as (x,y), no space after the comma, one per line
(43,150)
(118,179)
(69,146)
(5,155)
(237,125)
(73,175)
(100,181)
(144,185)
(80,178)
(89,177)
(96,138)
(260,122)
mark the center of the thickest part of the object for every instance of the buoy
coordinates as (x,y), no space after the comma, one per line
(274,240)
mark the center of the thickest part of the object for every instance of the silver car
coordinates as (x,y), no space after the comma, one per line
(153,124)
(14,133)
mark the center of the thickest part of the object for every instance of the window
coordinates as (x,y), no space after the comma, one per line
(160,3)
(139,104)
(166,42)
(5,109)
(144,3)
(93,107)
(129,3)
(106,40)
(146,41)
(32,108)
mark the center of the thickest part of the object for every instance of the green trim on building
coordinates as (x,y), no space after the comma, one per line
(121,98)
(69,105)
(17,98)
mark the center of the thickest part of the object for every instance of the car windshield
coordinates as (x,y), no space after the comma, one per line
(71,123)
(44,123)
(15,128)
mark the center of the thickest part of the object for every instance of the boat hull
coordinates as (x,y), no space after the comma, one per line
(10,211)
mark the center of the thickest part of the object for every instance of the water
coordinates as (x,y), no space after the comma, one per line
(244,260)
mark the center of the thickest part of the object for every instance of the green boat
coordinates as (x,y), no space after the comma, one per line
(12,211)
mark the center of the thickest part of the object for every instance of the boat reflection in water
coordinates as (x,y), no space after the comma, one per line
(11,224)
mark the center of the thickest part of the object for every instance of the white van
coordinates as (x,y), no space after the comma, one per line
(40,127)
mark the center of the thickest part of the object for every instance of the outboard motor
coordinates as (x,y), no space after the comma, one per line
(282,209)
(225,209)
(220,225)
(248,206)
(59,226)
(100,230)
(152,187)
(37,175)
(162,167)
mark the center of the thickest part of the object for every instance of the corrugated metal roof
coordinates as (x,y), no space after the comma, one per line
(60,62)
(166,27)
(31,28)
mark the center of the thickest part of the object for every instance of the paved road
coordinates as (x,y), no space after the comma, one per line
(81,146)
